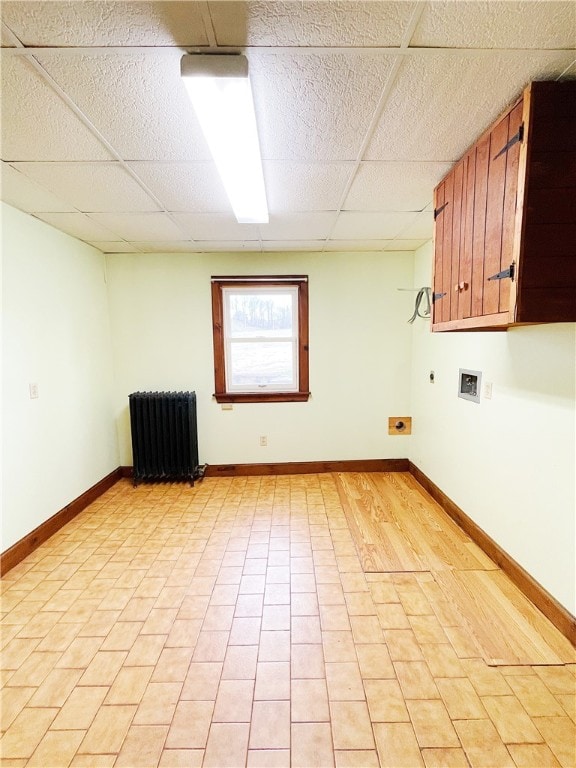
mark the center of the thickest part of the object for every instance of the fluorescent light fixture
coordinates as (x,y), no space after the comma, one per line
(219,88)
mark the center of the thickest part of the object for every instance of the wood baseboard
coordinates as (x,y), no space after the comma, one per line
(17,552)
(308,467)
(300,467)
(527,584)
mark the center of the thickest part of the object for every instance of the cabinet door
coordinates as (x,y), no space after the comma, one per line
(515,133)
(465,286)
(442,249)
(501,201)
(494,216)
(448,223)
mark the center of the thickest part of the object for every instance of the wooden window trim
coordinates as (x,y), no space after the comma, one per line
(295,281)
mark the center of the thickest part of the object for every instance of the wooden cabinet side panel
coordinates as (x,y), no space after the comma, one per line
(494,215)
(546,289)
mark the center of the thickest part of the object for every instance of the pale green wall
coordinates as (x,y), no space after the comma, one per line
(161,314)
(508,462)
(55,333)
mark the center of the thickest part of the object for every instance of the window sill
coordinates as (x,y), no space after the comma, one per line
(262,397)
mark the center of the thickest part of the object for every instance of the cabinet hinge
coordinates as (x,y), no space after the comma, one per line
(438,211)
(505,273)
(510,143)
(437,296)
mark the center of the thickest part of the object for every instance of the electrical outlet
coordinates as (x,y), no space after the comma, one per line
(263,441)
(33,391)
(487,390)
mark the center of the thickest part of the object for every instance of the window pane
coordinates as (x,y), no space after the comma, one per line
(260,314)
(255,364)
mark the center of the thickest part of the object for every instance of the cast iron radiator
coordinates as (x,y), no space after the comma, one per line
(164,437)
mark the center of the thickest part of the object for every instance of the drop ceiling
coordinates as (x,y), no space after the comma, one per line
(362,107)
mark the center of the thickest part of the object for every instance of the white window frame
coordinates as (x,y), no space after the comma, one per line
(229,341)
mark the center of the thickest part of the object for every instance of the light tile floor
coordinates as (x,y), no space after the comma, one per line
(230,624)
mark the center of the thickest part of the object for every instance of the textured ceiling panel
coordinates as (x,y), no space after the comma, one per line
(185,186)
(298,226)
(420,227)
(280,246)
(23,193)
(139,227)
(304,186)
(316,106)
(355,245)
(78,225)
(328,23)
(442,102)
(399,244)
(214,226)
(394,186)
(28,102)
(97,22)
(7,39)
(226,246)
(353,225)
(323,92)
(116,247)
(522,24)
(91,186)
(169,246)
(137,101)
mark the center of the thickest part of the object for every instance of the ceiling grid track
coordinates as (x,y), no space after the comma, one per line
(109,148)
(384,96)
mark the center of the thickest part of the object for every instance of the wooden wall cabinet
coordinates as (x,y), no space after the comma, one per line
(505,220)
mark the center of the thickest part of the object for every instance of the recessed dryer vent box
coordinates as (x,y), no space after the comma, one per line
(469,383)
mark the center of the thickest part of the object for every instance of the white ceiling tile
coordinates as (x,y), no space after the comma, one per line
(523,24)
(23,193)
(115,247)
(442,102)
(298,226)
(91,186)
(214,226)
(139,227)
(352,225)
(36,123)
(420,228)
(292,186)
(78,225)
(100,22)
(227,246)
(282,246)
(143,109)
(405,245)
(168,246)
(356,245)
(311,23)
(316,106)
(184,186)
(394,186)
(7,38)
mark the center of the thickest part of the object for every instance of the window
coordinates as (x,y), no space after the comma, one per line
(260,338)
